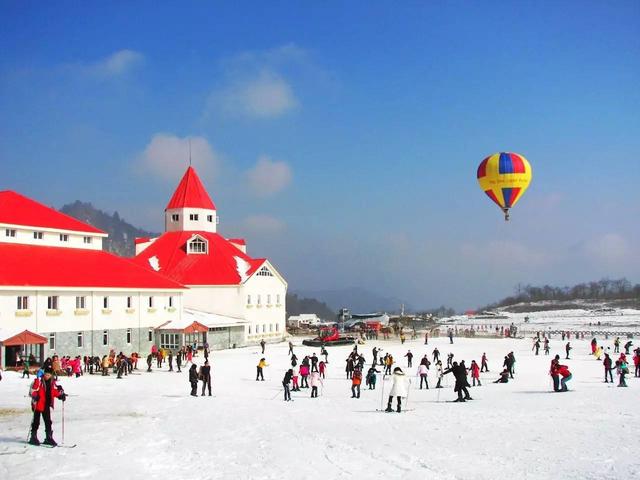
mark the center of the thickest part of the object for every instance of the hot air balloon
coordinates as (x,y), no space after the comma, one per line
(504,177)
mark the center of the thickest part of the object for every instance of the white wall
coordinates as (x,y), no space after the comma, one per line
(67,318)
(50,237)
(269,312)
(185,224)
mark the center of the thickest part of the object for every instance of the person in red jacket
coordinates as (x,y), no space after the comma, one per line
(554,373)
(475,373)
(43,392)
(563,371)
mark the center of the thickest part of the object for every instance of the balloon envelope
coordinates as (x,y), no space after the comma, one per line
(504,177)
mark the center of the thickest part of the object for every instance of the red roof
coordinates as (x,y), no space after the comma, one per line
(238,241)
(29,265)
(17,209)
(216,267)
(190,193)
(24,338)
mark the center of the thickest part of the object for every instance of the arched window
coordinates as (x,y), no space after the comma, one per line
(197,245)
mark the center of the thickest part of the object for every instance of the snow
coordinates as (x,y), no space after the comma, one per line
(147,426)
(242,267)
(154,262)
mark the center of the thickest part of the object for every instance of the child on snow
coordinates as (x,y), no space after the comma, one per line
(315,381)
(356,380)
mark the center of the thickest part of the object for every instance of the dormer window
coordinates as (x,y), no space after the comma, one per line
(37,235)
(175,217)
(210,218)
(193,217)
(264,272)
(10,232)
(197,245)
(87,240)
(64,237)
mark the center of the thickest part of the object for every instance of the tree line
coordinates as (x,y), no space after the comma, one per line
(605,289)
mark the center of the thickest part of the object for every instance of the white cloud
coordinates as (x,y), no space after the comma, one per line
(505,254)
(263,224)
(265,95)
(115,65)
(269,177)
(167,156)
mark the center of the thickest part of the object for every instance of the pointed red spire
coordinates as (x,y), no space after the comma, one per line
(190,193)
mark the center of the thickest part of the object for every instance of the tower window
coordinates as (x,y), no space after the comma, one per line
(210,218)
(193,217)
(175,217)
(64,237)
(37,235)
(264,272)
(10,232)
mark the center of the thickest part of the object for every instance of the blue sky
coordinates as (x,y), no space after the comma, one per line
(341,139)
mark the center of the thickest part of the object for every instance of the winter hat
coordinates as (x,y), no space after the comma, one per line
(397,370)
(48,369)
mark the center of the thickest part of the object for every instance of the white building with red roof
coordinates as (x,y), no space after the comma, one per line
(223,281)
(58,283)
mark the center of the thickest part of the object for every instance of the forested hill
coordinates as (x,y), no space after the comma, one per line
(297,305)
(121,233)
(611,293)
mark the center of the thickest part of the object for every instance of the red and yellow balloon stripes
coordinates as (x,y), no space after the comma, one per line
(504,177)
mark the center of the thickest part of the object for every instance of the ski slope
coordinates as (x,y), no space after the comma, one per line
(147,426)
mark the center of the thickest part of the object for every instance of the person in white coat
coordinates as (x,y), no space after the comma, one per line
(315,381)
(399,389)
(422,373)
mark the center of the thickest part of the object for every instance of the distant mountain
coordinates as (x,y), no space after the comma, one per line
(357,299)
(297,305)
(121,234)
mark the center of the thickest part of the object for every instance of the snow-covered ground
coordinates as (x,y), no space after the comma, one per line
(147,426)
(621,320)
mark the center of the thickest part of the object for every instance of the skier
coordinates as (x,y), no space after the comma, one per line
(440,373)
(616,345)
(554,374)
(371,377)
(356,380)
(409,356)
(449,360)
(375,355)
(314,363)
(322,367)
(205,376)
(315,380)
(627,347)
(504,377)
(436,354)
(179,360)
(475,373)
(623,370)
(546,346)
(304,373)
(193,380)
(294,378)
(426,338)
(537,346)
(425,361)
(285,384)
(451,336)
(594,345)
(422,373)
(170,360)
(636,362)
(484,365)
(262,344)
(460,374)
(290,348)
(567,347)
(294,360)
(507,364)
(388,362)
(149,363)
(323,351)
(349,367)
(261,364)
(563,371)
(512,367)
(607,363)
(399,389)
(43,392)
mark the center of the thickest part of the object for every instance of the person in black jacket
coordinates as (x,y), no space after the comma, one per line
(285,383)
(193,380)
(179,360)
(205,376)
(460,374)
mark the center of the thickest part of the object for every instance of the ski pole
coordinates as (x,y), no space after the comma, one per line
(63,422)
(382,393)
(408,393)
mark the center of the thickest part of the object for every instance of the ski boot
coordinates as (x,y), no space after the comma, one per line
(50,441)
(389,409)
(33,440)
